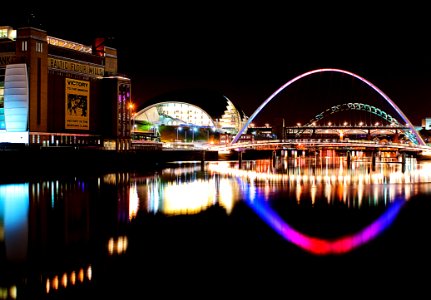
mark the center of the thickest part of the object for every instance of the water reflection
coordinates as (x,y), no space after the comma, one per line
(64,232)
(322,246)
(257,182)
(189,190)
(333,182)
(14,210)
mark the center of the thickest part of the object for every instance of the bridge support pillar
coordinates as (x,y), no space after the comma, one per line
(403,162)
(240,158)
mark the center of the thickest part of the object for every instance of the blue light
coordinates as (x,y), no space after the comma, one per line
(14,210)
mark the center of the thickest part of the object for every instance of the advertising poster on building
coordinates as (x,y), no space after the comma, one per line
(77,104)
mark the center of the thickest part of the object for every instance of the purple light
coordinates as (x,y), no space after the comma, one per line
(321,246)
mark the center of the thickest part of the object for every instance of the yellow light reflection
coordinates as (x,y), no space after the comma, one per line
(226,195)
(122,244)
(73,278)
(89,273)
(328,192)
(313,193)
(81,275)
(64,280)
(188,198)
(360,192)
(111,246)
(47,286)
(333,182)
(133,201)
(13,292)
(298,191)
(55,283)
(118,245)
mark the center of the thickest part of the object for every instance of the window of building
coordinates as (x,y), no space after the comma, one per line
(39,47)
(24,46)
(3,33)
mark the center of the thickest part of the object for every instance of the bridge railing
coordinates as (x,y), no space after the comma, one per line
(296,143)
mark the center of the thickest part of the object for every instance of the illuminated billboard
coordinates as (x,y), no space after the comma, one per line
(77,104)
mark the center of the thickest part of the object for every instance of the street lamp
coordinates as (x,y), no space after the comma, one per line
(131,112)
(193,129)
(155,129)
(179,128)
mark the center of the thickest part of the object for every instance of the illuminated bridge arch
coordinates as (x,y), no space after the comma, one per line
(355,106)
(361,107)
(417,139)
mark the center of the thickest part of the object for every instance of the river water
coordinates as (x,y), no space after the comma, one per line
(290,226)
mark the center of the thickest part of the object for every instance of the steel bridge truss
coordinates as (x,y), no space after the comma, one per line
(361,107)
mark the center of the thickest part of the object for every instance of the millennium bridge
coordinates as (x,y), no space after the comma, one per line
(315,135)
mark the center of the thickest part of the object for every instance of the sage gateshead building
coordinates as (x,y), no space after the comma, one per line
(59,92)
(197,110)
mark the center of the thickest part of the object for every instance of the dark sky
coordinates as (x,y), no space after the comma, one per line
(248,51)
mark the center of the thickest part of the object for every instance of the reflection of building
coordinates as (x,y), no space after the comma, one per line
(59,92)
(198,108)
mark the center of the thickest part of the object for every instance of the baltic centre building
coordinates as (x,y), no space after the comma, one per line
(59,92)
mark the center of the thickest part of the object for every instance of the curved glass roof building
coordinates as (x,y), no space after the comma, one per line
(193,108)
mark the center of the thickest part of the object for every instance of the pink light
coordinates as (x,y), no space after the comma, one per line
(319,246)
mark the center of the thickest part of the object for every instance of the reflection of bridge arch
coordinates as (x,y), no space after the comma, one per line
(397,109)
(361,107)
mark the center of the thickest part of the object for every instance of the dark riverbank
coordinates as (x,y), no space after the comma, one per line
(20,161)
(58,160)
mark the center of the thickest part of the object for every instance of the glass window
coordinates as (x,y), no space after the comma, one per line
(39,47)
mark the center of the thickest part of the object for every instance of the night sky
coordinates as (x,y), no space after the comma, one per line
(248,51)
